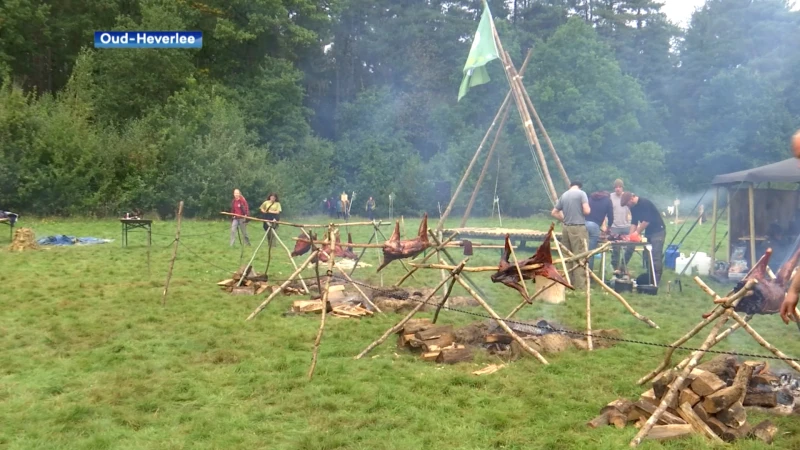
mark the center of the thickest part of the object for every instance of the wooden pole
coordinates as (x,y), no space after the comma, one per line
(298,225)
(750,200)
(500,321)
(420,305)
(285,283)
(452,261)
(460,186)
(519,272)
(561,256)
(547,139)
(174,254)
(731,302)
(713,252)
(588,303)
(275,234)
(250,263)
(324,314)
(494,145)
(364,249)
(677,385)
(728,217)
(444,299)
(763,342)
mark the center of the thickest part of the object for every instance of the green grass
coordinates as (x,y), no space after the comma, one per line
(90,358)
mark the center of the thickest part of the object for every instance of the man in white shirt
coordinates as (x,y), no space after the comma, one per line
(621,225)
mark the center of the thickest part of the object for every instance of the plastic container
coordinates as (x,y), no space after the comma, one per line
(671,255)
(681,263)
(702,262)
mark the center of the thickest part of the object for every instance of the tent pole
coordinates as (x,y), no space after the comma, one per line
(714,230)
(730,227)
(750,200)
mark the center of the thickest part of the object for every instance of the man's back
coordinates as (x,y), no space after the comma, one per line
(571,204)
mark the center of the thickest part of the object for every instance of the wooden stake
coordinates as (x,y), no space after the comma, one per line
(359,290)
(250,263)
(436,250)
(397,327)
(364,249)
(500,321)
(588,304)
(561,256)
(774,350)
(750,196)
(713,252)
(285,283)
(174,254)
(547,139)
(494,145)
(318,339)
(677,385)
(288,252)
(519,272)
(444,300)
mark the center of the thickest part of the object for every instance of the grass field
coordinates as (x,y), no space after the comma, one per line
(90,358)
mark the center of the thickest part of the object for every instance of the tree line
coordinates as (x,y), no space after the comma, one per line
(309,99)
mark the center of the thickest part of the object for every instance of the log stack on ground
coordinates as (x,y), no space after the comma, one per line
(433,342)
(343,310)
(711,403)
(254,283)
(24,239)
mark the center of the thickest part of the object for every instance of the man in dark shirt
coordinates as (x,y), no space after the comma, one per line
(602,211)
(646,218)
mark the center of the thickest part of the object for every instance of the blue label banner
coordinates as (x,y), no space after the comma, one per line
(148,39)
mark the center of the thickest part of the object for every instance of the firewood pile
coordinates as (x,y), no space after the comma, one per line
(433,342)
(712,402)
(254,283)
(340,304)
(402,300)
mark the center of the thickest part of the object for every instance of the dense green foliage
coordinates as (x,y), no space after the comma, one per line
(311,98)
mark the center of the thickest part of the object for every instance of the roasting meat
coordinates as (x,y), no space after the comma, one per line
(303,245)
(394,248)
(507,271)
(768,294)
(338,251)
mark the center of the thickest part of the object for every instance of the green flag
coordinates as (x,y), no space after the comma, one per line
(483,50)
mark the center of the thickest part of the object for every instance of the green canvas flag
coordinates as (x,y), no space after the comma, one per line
(483,50)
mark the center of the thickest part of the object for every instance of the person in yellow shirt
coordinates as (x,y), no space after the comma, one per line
(271,210)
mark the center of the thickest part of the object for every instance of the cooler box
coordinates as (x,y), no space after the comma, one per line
(671,255)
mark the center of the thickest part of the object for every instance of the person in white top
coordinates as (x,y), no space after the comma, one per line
(621,225)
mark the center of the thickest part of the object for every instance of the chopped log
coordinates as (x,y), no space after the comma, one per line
(599,421)
(228,282)
(650,397)
(498,338)
(686,413)
(454,355)
(726,397)
(765,379)
(689,397)
(706,383)
(262,288)
(414,325)
(727,433)
(306,306)
(617,418)
(664,432)
(243,290)
(701,413)
(723,366)
(765,431)
(765,399)
(432,345)
(491,368)
(430,356)
(734,417)
(661,385)
(667,418)
(434,332)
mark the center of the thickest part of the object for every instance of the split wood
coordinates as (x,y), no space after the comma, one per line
(285,283)
(298,225)
(399,326)
(174,254)
(355,285)
(588,304)
(616,295)
(318,339)
(677,385)
(500,321)
(289,253)
(729,302)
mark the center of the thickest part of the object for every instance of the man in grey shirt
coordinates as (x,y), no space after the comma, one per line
(572,209)
(621,225)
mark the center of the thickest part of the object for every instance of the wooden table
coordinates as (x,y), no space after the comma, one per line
(132,224)
(621,246)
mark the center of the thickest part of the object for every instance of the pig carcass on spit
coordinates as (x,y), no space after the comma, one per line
(338,250)
(303,245)
(768,294)
(394,248)
(507,271)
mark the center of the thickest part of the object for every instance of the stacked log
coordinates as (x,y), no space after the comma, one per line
(342,310)
(433,342)
(711,403)
(254,283)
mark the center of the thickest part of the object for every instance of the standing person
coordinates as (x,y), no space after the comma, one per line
(371,208)
(571,210)
(345,205)
(601,216)
(621,225)
(240,207)
(271,210)
(646,218)
(790,301)
(338,209)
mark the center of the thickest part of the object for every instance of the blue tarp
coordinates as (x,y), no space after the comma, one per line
(71,240)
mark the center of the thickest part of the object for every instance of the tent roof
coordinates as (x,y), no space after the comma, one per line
(786,171)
